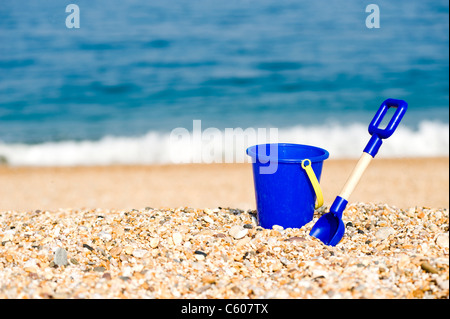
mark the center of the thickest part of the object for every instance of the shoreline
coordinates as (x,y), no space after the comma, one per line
(400,182)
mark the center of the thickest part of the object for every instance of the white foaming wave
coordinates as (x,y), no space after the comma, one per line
(431,139)
(150,148)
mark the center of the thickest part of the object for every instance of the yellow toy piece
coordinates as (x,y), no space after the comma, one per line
(315,183)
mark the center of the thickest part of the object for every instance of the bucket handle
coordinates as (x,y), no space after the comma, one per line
(315,183)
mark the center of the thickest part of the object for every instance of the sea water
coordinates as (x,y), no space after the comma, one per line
(113,90)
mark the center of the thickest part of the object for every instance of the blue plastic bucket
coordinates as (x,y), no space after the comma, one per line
(285,197)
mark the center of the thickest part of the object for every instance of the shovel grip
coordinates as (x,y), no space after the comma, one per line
(355,176)
(378,134)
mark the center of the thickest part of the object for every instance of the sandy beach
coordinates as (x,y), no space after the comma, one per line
(190,232)
(399,182)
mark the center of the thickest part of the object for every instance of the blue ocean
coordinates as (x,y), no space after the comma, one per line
(112,90)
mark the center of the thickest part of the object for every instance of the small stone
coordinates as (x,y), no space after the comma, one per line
(277,266)
(88,247)
(428,268)
(119,231)
(295,239)
(382,223)
(104,235)
(418,293)
(442,240)
(99,269)
(261,249)
(73,261)
(242,242)
(34,275)
(107,276)
(154,242)
(209,279)
(139,253)
(113,262)
(115,251)
(384,233)
(438,215)
(30,266)
(60,257)
(282,294)
(101,251)
(277,227)
(177,238)
(200,257)
(9,258)
(284,261)
(199,252)
(443,284)
(208,219)
(235,289)
(237,232)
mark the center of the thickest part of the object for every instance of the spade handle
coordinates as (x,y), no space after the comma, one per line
(378,135)
(355,176)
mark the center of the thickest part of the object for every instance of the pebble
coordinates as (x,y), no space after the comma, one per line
(201,253)
(199,257)
(384,232)
(443,284)
(208,219)
(104,235)
(177,238)
(30,266)
(209,279)
(88,247)
(99,269)
(238,232)
(295,239)
(442,240)
(428,268)
(60,257)
(277,227)
(154,242)
(115,251)
(107,276)
(139,253)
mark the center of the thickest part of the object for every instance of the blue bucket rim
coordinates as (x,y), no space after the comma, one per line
(320,158)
